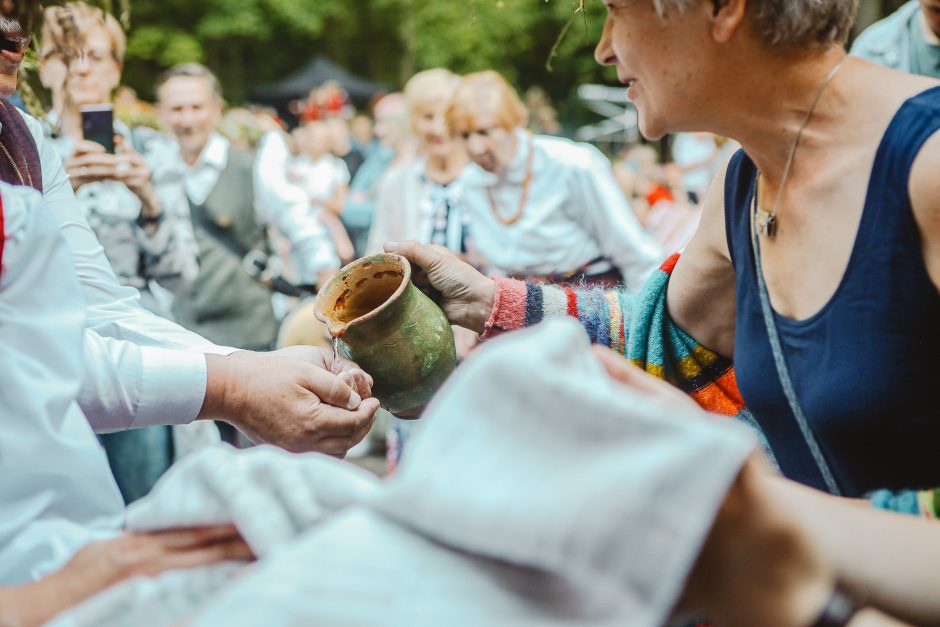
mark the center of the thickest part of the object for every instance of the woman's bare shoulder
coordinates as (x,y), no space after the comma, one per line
(701,294)
(881,90)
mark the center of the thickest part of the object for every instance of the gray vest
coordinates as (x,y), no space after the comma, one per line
(224,304)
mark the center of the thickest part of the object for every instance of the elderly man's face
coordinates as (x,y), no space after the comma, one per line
(190,110)
(660,59)
(931,9)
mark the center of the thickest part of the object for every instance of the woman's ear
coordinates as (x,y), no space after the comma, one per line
(727,17)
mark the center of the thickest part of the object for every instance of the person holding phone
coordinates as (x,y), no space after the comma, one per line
(143,228)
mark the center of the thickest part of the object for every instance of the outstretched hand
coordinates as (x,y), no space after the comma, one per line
(101,565)
(297,404)
(354,376)
(465,295)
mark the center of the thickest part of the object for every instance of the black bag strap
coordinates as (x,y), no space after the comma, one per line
(253,261)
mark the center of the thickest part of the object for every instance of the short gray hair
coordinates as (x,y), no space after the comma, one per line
(791,23)
(191,70)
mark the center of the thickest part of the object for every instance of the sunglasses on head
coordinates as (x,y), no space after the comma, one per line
(15,42)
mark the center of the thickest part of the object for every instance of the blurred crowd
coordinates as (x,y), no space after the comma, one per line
(160,264)
(228,221)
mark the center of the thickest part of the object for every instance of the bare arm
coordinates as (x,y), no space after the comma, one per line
(890,560)
(701,296)
(762,563)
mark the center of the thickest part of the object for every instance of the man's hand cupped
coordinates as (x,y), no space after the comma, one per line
(299,398)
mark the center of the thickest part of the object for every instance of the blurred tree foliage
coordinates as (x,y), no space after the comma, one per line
(251,43)
(254,42)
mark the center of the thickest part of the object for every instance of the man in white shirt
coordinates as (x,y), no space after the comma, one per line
(56,490)
(230,209)
(143,370)
(542,207)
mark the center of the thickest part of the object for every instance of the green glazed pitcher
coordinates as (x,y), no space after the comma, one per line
(380,320)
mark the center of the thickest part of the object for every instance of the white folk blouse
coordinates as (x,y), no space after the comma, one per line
(574,213)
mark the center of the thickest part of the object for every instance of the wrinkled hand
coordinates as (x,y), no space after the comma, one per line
(90,163)
(134,171)
(100,565)
(288,402)
(347,371)
(465,295)
(758,565)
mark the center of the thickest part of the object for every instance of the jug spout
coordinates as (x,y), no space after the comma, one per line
(336,331)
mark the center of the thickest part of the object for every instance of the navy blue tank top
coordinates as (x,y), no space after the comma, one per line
(865,367)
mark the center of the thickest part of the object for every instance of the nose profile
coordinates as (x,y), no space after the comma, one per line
(604,52)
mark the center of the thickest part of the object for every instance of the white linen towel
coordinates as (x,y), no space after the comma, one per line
(539,491)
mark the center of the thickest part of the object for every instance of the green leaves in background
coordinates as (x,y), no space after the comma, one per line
(251,43)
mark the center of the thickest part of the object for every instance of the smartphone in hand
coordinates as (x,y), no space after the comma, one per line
(98,125)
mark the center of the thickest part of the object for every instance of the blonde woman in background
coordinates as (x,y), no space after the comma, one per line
(143,228)
(422,200)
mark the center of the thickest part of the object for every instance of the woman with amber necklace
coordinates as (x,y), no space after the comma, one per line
(816,267)
(543,208)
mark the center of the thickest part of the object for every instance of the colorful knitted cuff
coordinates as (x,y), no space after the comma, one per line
(520,304)
(509,307)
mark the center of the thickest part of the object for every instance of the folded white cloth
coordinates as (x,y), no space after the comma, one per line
(269,494)
(194,436)
(539,491)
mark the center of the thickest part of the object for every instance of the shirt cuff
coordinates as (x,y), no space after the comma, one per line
(509,307)
(173,387)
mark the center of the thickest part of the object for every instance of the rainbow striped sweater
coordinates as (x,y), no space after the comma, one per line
(639,327)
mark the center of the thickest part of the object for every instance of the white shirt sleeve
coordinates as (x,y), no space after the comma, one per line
(121,394)
(608,217)
(285,206)
(137,376)
(56,490)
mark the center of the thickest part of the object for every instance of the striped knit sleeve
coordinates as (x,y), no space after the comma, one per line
(925,503)
(607,315)
(519,304)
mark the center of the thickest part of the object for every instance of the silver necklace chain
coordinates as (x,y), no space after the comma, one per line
(766,222)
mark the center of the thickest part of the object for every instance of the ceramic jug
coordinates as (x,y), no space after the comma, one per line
(380,320)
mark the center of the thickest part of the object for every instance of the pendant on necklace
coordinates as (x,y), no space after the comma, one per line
(766,223)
